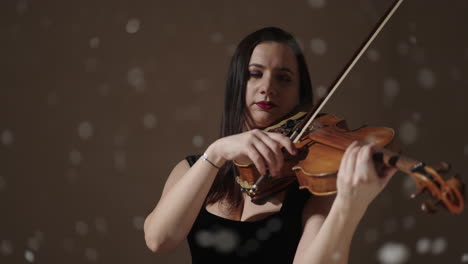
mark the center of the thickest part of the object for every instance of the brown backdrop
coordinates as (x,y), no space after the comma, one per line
(100,99)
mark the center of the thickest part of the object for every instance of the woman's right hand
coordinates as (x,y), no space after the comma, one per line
(256,146)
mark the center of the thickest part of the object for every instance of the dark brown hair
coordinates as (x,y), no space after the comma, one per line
(234,114)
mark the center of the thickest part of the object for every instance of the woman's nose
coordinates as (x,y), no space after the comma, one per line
(267,85)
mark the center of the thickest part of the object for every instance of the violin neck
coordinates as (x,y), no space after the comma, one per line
(395,160)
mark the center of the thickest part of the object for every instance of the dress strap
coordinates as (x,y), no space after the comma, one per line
(192,159)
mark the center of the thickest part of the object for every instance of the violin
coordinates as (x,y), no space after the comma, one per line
(321,140)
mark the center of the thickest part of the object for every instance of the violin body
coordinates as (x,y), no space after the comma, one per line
(316,165)
(326,143)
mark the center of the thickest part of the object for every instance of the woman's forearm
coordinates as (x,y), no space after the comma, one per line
(333,240)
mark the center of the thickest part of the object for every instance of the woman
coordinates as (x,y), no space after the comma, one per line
(267,79)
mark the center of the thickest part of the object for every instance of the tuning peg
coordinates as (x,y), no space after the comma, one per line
(429,207)
(442,167)
(417,193)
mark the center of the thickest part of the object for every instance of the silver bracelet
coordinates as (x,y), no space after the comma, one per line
(205,157)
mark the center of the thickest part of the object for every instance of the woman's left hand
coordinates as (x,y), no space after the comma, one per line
(358,182)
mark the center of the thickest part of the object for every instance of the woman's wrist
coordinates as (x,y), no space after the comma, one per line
(348,209)
(213,156)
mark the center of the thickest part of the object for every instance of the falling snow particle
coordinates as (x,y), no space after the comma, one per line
(7,137)
(22,7)
(120,161)
(274,224)
(104,89)
(150,121)
(393,253)
(198,141)
(336,256)
(408,132)
(136,78)
(91,254)
(188,113)
(262,234)
(75,157)
(464,258)
(81,228)
(216,37)
(33,243)
(316,3)
(438,246)
(94,43)
(6,248)
(133,25)
(423,245)
(101,225)
(416,116)
(426,78)
(391,89)
(318,46)
(225,241)
(204,238)
(409,186)
(408,222)
(138,222)
(321,91)
(29,256)
(85,130)
(373,55)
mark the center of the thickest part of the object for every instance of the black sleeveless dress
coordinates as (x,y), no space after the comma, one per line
(274,239)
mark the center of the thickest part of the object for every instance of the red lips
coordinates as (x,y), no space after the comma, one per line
(265,105)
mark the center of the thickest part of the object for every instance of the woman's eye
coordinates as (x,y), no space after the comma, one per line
(284,78)
(255,74)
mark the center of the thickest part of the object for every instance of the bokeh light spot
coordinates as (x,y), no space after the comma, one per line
(94,43)
(133,25)
(75,157)
(150,120)
(317,3)
(85,130)
(6,248)
(138,222)
(393,253)
(318,46)
(198,141)
(426,78)
(7,137)
(91,254)
(81,228)
(408,132)
(423,245)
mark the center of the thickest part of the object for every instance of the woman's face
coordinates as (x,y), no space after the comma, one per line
(273,85)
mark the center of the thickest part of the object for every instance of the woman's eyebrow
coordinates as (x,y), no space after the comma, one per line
(277,68)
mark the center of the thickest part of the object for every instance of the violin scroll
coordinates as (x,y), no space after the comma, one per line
(449,193)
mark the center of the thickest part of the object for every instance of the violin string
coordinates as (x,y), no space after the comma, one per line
(296,136)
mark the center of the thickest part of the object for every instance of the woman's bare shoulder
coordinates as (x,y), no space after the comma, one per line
(177,172)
